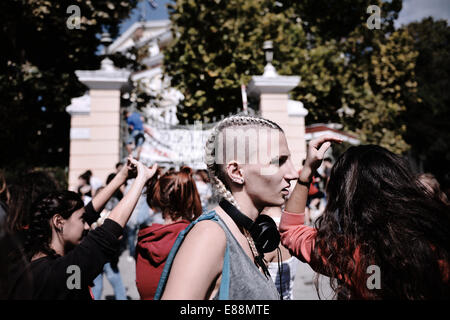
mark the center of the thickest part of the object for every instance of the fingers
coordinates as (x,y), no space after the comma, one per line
(153,169)
(139,168)
(323,148)
(317,148)
(132,164)
(317,142)
(132,161)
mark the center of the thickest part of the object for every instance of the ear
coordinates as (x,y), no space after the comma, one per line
(58,222)
(234,172)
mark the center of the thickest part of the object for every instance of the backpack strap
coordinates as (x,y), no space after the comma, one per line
(225,282)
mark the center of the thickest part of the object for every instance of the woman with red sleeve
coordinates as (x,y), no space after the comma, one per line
(176,195)
(378,218)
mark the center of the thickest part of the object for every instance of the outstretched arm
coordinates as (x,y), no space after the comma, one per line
(316,151)
(298,238)
(100,245)
(121,213)
(100,199)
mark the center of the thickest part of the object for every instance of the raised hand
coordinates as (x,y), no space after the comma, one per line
(142,171)
(315,154)
(121,213)
(128,171)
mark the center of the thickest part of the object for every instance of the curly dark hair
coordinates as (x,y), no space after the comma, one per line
(378,214)
(39,233)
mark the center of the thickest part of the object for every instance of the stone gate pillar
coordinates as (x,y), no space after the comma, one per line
(95,123)
(272,90)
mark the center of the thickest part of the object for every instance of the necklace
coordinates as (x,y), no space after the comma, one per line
(246,223)
(251,243)
(257,257)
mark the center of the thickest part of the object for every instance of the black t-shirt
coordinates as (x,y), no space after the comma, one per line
(69,277)
(14,269)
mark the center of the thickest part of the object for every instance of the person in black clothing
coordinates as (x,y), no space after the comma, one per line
(13,263)
(64,262)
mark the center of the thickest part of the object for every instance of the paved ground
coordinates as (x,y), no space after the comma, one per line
(304,288)
(127,269)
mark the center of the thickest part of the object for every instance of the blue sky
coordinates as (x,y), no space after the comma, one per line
(413,10)
(159,13)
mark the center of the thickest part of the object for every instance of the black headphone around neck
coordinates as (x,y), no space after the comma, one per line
(264,230)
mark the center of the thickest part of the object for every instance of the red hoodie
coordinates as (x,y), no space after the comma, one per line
(152,249)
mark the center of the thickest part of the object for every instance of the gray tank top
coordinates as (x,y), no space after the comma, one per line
(246,281)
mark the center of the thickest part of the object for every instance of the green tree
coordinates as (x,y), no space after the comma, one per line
(377,92)
(429,119)
(360,77)
(39,56)
(217,48)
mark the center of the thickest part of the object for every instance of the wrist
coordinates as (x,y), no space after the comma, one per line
(118,181)
(141,179)
(304,182)
(305,175)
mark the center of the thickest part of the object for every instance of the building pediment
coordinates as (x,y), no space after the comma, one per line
(142,33)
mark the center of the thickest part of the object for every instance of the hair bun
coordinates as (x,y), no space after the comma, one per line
(186,169)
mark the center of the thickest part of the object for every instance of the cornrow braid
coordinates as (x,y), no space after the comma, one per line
(223,192)
(215,170)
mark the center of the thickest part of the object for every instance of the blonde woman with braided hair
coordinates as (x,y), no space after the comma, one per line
(250,166)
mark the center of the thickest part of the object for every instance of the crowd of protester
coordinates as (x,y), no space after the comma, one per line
(342,216)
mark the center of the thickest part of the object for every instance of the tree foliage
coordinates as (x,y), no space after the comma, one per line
(217,48)
(351,74)
(429,118)
(37,80)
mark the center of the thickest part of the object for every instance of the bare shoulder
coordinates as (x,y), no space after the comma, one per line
(209,232)
(203,248)
(198,263)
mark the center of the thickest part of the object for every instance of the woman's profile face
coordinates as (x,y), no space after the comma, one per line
(267,182)
(74,228)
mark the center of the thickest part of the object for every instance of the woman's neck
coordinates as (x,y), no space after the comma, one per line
(169,220)
(38,256)
(43,254)
(57,244)
(246,205)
